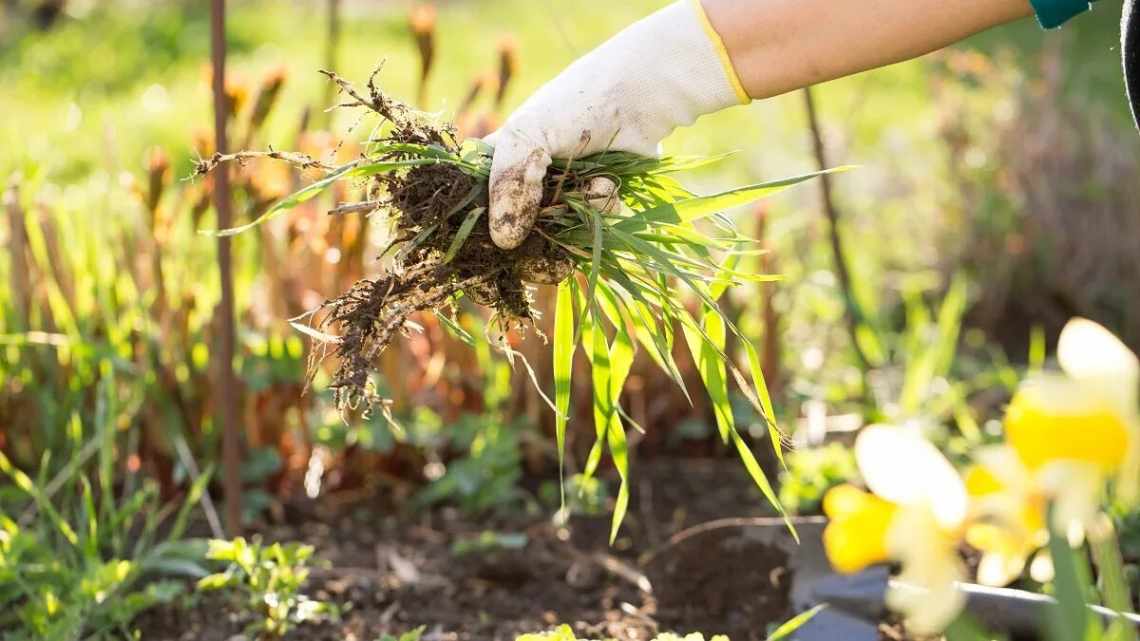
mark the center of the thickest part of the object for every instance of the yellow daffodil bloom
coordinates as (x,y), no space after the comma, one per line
(856,534)
(1066,434)
(1074,430)
(914,514)
(1007,515)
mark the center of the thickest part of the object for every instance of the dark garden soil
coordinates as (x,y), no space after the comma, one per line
(400,570)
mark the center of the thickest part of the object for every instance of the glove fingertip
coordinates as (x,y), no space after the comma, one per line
(516,194)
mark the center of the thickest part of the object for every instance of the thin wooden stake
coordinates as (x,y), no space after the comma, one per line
(854,313)
(226,383)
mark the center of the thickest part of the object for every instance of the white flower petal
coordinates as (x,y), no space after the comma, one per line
(901,466)
(1076,489)
(1041,568)
(999,570)
(925,591)
(1088,352)
(1003,463)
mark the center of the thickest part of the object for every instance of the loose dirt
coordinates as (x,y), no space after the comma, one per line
(400,570)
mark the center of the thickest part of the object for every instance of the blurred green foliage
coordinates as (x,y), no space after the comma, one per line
(813,471)
(81,554)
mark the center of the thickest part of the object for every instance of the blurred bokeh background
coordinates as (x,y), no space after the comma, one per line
(996,196)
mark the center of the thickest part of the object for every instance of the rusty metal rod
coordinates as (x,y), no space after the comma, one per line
(225,386)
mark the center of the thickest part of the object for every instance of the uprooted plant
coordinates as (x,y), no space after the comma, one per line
(622,272)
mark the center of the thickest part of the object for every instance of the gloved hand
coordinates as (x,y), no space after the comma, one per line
(628,94)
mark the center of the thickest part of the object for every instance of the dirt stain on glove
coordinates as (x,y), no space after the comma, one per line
(516,194)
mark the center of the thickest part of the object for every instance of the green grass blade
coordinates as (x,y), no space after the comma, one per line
(619,450)
(724,276)
(621,361)
(655,338)
(760,386)
(706,352)
(197,490)
(1069,620)
(454,328)
(598,227)
(1110,569)
(933,358)
(25,483)
(622,353)
(1037,349)
(786,628)
(91,536)
(410,246)
(671,164)
(465,229)
(761,481)
(312,190)
(600,375)
(563,366)
(702,206)
(663,263)
(707,345)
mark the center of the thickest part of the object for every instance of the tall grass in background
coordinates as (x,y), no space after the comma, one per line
(89,543)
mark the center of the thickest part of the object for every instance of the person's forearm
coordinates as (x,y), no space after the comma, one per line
(780,45)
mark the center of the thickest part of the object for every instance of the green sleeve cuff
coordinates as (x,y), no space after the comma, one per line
(1054,13)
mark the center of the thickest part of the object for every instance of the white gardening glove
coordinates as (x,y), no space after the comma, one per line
(628,94)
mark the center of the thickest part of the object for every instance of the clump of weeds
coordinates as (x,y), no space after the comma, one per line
(625,260)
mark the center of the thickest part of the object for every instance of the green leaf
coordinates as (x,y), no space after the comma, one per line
(563,366)
(724,276)
(197,490)
(1110,569)
(91,540)
(761,481)
(760,386)
(702,206)
(25,483)
(656,339)
(619,450)
(600,374)
(1069,620)
(454,328)
(621,361)
(795,623)
(310,191)
(464,231)
(223,550)
(598,227)
(707,346)
(712,368)
(216,581)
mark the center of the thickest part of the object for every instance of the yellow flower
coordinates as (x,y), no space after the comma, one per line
(1057,419)
(1007,521)
(856,534)
(915,515)
(1066,434)
(1076,429)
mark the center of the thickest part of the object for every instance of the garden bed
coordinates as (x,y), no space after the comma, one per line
(401,570)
